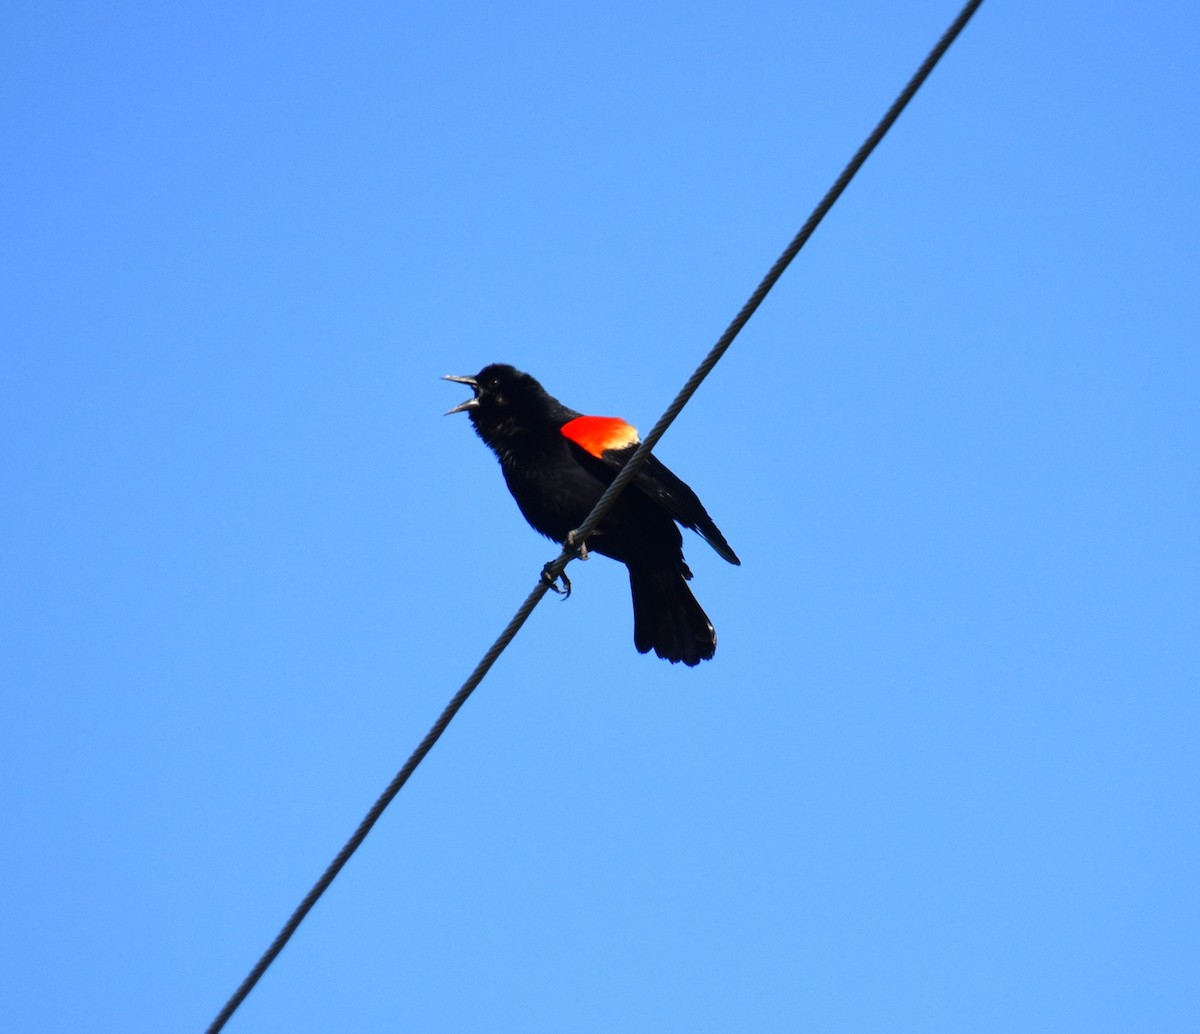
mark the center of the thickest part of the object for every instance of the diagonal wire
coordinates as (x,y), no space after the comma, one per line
(630,469)
(603,505)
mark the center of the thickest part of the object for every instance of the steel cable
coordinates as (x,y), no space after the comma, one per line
(579,537)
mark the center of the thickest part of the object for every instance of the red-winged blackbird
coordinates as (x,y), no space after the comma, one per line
(557,463)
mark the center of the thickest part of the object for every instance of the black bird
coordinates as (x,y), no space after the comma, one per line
(557,463)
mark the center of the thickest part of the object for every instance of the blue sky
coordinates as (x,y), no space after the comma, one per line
(941,774)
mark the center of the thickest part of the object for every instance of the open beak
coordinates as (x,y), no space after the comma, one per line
(471,403)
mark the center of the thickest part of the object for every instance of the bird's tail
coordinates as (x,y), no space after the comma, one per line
(666,617)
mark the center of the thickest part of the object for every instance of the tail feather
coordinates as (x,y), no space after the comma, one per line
(667,619)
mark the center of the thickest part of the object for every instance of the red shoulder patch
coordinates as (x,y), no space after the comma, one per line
(598,434)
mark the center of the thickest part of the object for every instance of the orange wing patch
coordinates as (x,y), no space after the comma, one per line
(598,434)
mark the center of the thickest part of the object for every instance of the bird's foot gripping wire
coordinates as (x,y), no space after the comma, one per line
(580,550)
(553,580)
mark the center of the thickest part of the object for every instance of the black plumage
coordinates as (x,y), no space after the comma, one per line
(557,463)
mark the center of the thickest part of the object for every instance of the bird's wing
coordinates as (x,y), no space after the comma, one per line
(657,481)
(612,441)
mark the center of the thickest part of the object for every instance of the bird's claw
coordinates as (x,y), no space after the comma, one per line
(580,550)
(553,580)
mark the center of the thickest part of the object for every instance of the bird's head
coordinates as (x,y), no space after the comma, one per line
(506,401)
(500,390)
(492,386)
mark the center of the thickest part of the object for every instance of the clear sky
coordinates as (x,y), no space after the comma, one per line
(942,773)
